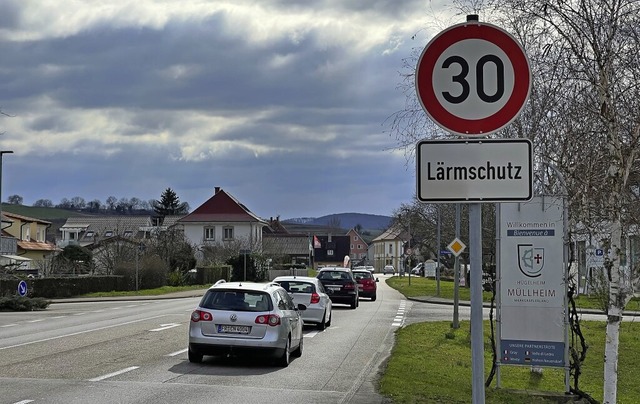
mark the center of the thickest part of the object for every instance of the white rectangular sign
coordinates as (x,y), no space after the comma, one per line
(532,282)
(474,170)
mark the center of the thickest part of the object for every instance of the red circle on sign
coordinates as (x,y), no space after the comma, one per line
(427,64)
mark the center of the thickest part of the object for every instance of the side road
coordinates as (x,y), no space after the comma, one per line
(200,292)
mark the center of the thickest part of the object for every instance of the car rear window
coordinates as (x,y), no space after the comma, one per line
(297,286)
(235,300)
(362,275)
(333,275)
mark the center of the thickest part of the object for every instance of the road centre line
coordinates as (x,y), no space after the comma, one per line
(8,325)
(83,332)
(119,372)
(176,353)
(23,402)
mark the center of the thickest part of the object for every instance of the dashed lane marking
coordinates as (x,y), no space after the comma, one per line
(398,320)
(112,374)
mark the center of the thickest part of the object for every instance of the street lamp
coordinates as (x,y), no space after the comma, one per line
(2,153)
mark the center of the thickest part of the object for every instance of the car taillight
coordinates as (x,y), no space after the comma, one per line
(350,285)
(270,319)
(199,315)
(315,298)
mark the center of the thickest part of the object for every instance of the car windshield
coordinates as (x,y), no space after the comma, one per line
(233,300)
(297,286)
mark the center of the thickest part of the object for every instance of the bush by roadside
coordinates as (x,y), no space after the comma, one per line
(21,303)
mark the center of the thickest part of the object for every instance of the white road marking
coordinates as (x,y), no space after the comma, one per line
(80,314)
(119,372)
(8,325)
(310,334)
(23,402)
(36,320)
(176,353)
(83,332)
(398,320)
(166,327)
(58,317)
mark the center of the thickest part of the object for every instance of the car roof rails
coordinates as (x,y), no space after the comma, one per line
(219,282)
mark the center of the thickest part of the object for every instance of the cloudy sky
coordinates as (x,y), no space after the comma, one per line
(282,103)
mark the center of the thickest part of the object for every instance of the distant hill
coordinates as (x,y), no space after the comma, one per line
(346,221)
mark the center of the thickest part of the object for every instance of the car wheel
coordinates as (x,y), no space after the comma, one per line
(354,303)
(194,357)
(285,358)
(298,352)
(322,325)
(373,298)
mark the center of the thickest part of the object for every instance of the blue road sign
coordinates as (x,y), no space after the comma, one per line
(22,288)
(445,252)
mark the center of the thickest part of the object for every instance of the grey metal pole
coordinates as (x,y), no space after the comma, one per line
(137,265)
(245,266)
(477,334)
(456,276)
(2,152)
(438,256)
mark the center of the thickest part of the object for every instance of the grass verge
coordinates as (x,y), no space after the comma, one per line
(431,363)
(429,287)
(147,292)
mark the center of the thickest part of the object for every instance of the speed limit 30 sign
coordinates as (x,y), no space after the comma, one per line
(473,78)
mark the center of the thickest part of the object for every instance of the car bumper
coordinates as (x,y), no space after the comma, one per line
(271,342)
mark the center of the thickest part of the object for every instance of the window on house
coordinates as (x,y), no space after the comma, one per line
(390,248)
(128,233)
(89,234)
(72,236)
(351,246)
(210,233)
(228,233)
(359,246)
(330,252)
(355,238)
(108,233)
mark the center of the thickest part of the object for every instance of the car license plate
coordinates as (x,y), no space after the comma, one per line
(233,329)
(334,287)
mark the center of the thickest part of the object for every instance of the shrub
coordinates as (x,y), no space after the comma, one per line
(21,303)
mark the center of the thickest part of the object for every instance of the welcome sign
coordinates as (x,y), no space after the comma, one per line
(532,283)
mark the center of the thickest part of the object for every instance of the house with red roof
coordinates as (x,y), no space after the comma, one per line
(222,218)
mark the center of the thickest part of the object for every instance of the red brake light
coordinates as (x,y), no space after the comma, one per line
(349,285)
(270,319)
(315,298)
(199,315)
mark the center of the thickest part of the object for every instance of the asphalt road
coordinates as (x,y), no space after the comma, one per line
(134,351)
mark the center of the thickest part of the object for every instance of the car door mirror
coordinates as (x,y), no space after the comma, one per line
(377,280)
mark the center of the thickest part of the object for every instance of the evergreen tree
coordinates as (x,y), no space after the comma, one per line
(169,204)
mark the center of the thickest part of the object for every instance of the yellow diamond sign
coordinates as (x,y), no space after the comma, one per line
(456,247)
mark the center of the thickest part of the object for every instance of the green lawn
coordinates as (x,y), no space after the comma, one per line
(429,287)
(431,363)
(147,292)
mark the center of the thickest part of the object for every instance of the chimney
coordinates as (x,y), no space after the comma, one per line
(217,189)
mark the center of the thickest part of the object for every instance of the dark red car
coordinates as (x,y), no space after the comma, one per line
(366,283)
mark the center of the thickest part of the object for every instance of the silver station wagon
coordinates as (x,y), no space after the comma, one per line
(236,318)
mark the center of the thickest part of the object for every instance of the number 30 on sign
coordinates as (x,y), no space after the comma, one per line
(473,79)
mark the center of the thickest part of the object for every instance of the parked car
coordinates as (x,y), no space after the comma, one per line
(366,283)
(310,292)
(369,268)
(340,285)
(246,317)
(388,269)
(418,269)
